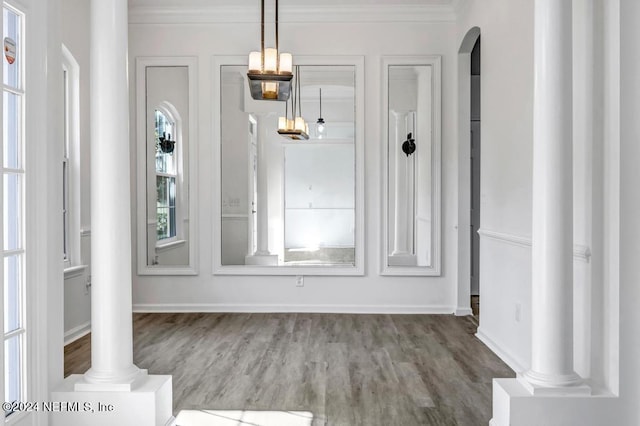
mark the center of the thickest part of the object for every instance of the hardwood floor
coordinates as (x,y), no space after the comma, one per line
(346,369)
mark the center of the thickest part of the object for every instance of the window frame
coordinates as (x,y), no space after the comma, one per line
(164,109)
(71,160)
(190,200)
(23,330)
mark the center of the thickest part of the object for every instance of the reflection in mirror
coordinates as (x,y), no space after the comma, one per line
(412,175)
(288,202)
(163,133)
(167,166)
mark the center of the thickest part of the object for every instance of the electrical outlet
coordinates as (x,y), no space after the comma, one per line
(518,312)
(299,281)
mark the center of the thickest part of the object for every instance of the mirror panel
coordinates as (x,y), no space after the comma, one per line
(289,207)
(165,125)
(411,223)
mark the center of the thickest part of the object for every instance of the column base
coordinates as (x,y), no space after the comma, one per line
(95,381)
(261,259)
(514,405)
(538,384)
(402,260)
(147,403)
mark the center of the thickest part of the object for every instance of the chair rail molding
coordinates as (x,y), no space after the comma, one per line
(580,252)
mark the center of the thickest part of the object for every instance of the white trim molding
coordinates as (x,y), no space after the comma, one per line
(358,269)
(76,333)
(461,312)
(496,349)
(74,271)
(580,252)
(434,102)
(191,63)
(293,14)
(276,308)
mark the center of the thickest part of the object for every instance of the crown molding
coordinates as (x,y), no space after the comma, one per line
(297,14)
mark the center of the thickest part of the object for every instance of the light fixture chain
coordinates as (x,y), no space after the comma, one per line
(262,32)
(299,96)
(293,98)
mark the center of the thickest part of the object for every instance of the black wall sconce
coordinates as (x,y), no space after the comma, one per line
(166,144)
(409,146)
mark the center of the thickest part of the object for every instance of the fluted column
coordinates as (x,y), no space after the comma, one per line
(552,250)
(111,304)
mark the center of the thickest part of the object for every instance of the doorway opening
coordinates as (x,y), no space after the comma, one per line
(469,174)
(474,171)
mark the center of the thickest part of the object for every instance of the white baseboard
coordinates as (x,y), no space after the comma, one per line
(460,312)
(77,332)
(267,308)
(503,355)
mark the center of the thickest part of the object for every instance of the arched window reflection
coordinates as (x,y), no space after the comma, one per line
(166,176)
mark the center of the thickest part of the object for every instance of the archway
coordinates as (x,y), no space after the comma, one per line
(465,230)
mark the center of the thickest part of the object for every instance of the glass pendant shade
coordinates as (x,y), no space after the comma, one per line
(255,62)
(286,63)
(270,60)
(269,90)
(320,127)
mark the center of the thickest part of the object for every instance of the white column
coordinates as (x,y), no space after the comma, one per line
(552,250)
(111,321)
(262,256)
(114,391)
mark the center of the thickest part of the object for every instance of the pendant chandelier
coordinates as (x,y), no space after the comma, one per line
(295,128)
(269,73)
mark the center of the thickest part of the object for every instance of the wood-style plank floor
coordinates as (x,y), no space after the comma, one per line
(345,369)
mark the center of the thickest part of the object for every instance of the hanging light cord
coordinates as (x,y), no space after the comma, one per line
(293,98)
(262,33)
(277,47)
(320,102)
(299,101)
(296,105)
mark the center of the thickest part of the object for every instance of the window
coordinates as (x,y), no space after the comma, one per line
(13,214)
(166,176)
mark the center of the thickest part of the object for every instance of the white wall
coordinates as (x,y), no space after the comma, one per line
(505,195)
(370,292)
(74,27)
